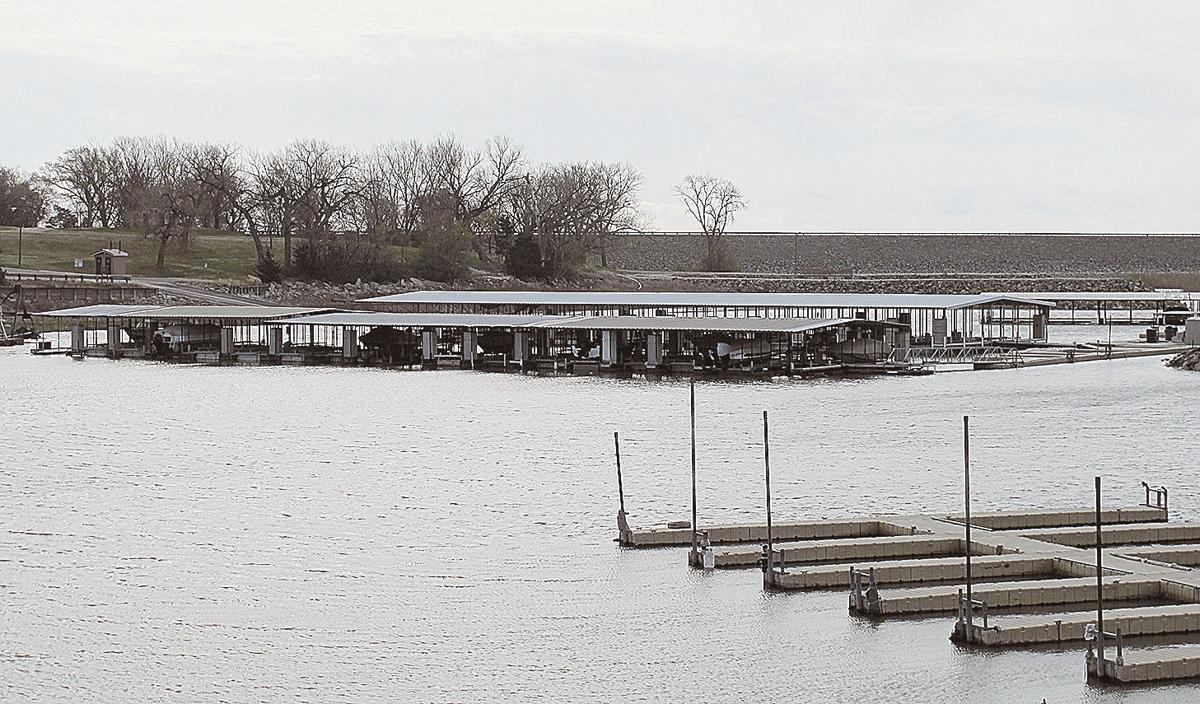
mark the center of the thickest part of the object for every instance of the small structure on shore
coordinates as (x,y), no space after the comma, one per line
(111,261)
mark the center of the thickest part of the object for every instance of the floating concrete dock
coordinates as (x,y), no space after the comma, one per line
(1147,666)
(1165,619)
(1033,574)
(884,526)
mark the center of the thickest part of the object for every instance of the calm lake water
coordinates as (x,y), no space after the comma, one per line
(175,533)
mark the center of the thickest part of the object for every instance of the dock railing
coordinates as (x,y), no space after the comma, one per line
(965,626)
(955,355)
(1096,639)
(1159,495)
(771,563)
(864,591)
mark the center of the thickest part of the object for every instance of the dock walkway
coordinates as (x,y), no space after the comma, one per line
(1034,575)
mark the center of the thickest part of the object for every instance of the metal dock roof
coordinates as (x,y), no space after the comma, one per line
(573,322)
(227,312)
(419,320)
(1164,296)
(663,322)
(224,313)
(101,310)
(668,299)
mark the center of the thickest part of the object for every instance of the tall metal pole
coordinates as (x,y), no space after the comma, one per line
(1099,583)
(621,482)
(767,472)
(695,524)
(967,502)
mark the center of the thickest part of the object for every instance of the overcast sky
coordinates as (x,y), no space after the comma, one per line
(920,116)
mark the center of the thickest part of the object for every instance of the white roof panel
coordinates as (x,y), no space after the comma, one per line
(421,320)
(1152,296)
(103,310)
(662,322)
(220,312)
(670,299)
(569,322)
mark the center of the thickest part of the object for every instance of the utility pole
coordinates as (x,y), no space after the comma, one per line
(622,519)
(20,233)
(967,502)
(695,524)
(767,472)
(1099,583)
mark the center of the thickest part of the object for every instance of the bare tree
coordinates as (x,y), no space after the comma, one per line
(165,196)
(86,179)
(316,182)
(394,178)
(570,208)
(246,190)
(218,173)
(22,200)
(712,202)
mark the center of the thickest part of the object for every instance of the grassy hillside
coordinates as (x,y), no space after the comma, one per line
(210,255)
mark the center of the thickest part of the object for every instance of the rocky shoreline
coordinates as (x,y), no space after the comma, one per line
(844,254)
(310,293)
(1189,360)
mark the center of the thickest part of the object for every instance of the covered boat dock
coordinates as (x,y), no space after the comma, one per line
(933,320)
(564,343)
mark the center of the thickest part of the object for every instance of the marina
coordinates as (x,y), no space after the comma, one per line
(658,333)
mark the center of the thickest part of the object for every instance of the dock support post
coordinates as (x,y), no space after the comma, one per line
(470,347)
(428,347)
(275,341)
(610,352)
(114,340)
(654,350)
(77,343)
(349,343)
(226,342)
(967,502)
(520,347)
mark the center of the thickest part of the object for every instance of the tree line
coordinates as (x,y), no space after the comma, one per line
(318,210)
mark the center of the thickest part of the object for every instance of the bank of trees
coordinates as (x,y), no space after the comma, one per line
(319,210)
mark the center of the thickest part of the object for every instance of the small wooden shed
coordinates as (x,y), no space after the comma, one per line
(111,262)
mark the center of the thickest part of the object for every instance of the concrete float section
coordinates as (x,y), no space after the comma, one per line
(1165,619)
(1148,665)
(1115,536)
(840,551)
(921,571)
(1052,592)
(757,532)
(884,526)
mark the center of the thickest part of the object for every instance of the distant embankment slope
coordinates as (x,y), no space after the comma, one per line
(893,253)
